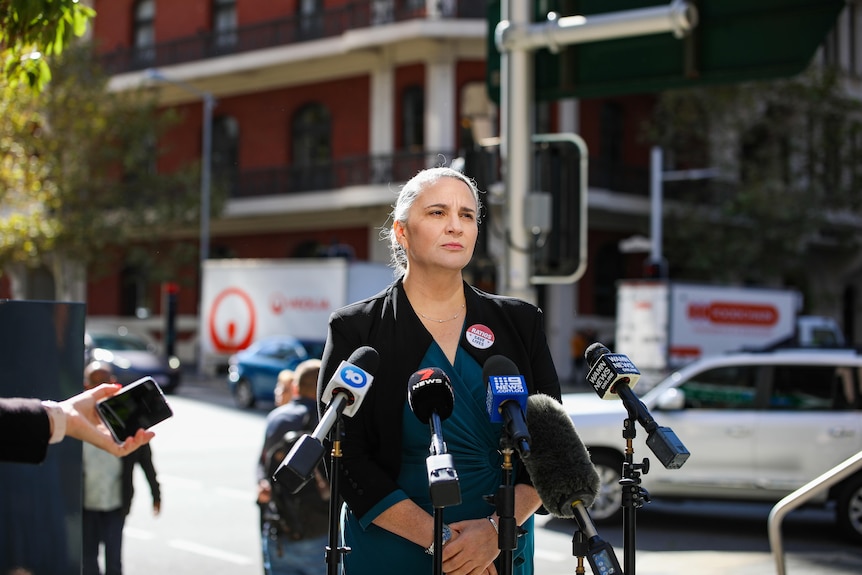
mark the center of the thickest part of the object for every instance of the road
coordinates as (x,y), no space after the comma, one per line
(205,456)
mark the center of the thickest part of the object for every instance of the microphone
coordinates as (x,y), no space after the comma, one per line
(614,374)
(431,398)
(563,475)
(506,400)
(343,394)
(609,370)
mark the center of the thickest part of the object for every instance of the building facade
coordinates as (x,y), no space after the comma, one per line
(324,107)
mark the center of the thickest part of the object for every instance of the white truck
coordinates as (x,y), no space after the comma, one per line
(243,300)
(662,325)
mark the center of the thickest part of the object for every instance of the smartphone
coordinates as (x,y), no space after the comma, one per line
(139,405)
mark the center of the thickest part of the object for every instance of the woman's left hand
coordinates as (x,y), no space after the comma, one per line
(472,548)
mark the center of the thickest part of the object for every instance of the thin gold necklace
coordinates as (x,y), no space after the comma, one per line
(443,320)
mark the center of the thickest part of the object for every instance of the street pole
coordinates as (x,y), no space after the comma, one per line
(209,103)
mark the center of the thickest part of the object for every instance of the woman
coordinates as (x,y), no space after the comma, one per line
(430,318)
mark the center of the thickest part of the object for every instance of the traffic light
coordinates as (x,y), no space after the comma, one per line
(559,254)
(655,270)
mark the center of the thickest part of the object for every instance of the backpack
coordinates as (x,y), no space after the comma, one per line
(305,514)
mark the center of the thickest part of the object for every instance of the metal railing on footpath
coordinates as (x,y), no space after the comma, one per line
(811,489)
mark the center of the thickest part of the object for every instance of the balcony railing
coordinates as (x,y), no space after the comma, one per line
(326,176)
(281,32)
(388,169)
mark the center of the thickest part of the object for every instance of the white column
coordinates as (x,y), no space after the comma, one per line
(382,108)
(440,107)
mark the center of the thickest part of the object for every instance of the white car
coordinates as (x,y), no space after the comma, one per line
(757,425)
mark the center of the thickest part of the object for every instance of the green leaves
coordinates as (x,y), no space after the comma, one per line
(30,30)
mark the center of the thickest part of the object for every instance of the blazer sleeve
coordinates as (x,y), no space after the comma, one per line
(24,430)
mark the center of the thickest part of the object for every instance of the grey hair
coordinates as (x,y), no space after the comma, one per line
(408,194)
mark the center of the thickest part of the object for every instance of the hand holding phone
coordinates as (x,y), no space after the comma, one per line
(139,405)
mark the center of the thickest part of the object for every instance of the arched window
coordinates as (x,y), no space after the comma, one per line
(144,31)
(412,118)
(311,138)
(225,152)
(224,23)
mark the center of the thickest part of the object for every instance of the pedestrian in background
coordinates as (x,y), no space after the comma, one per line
(295,528)
(108,491)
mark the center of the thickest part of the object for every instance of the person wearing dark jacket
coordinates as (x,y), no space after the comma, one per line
(28,426)
(430,317)
(294,528)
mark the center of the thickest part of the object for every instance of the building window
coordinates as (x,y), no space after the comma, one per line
(224,23)
(225,152)
(413,118)
(311,137)
(309,18)
(144,31)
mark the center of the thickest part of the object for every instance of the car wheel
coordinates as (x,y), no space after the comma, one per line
(848,512)
(608,504)
(243,395)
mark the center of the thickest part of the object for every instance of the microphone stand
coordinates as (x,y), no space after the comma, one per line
(504,505)
(443,486)
(633,495)
(333,551)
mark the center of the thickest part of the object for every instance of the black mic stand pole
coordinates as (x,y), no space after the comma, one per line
(633,495)
(504,504)
(333,551)
(443,486)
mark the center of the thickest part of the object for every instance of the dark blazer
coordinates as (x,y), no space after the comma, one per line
(371,446)
(24,430)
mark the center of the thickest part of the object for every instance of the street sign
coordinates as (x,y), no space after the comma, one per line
(734,41)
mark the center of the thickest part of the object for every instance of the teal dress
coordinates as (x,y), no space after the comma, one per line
(474,445)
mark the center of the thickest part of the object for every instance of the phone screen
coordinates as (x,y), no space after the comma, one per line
(139,405)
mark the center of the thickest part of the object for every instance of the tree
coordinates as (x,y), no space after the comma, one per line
(791,162)
(78,178)
(31,30)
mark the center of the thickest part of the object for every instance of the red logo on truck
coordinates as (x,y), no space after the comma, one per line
(223,333)
(734,313)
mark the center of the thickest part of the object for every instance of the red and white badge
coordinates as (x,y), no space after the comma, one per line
(480,336)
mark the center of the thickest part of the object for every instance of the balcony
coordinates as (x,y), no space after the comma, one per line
(393,168)
(284,31)
(324,176)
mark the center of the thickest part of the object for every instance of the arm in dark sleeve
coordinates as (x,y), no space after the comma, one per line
(146,460)
(24,430)
(364,481)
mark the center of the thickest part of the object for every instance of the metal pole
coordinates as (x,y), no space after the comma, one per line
(678,17)
(516,148)
(209,103)
(656,191)
(206,172)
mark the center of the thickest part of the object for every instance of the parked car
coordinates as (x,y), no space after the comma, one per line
(758,426)
(253,372)
(132,356)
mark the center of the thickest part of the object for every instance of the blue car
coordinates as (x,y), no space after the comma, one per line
(253,372)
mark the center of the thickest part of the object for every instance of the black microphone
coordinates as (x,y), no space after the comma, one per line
(344,393)
(563,475)
(609,371)
(613,375)
(506,400)
(432,399)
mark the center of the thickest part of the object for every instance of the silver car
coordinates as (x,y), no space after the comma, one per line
(758,426)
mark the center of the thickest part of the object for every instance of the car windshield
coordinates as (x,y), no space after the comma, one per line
(118,342)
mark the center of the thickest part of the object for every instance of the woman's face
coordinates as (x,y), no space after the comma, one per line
(441,227)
